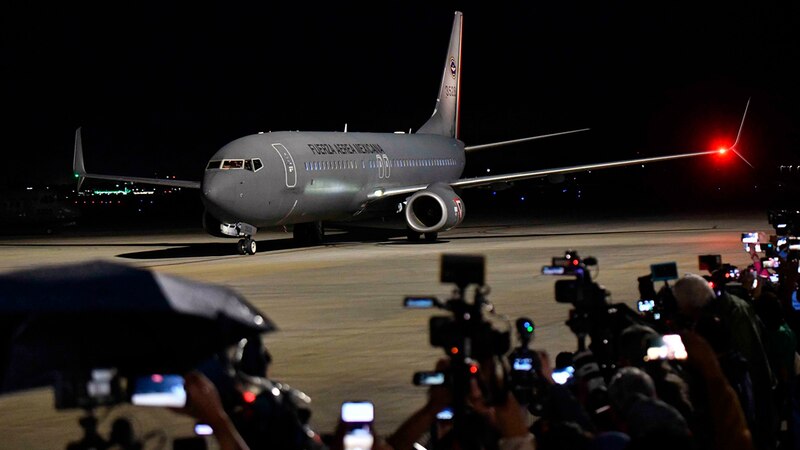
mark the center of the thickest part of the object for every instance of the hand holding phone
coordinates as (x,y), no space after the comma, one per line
(357,418)
(670,347)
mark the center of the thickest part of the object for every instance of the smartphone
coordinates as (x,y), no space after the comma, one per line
(523,364)
(770,263)
(756,248)
(774,277)
(445,414)
(429,378)
(670,346)
(664,272)
(645,305)
(357,418)
(159,390)
(203,429)
(563,375)
(750,238)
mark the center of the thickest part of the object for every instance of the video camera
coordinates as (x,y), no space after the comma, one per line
(592,315)
(467,338)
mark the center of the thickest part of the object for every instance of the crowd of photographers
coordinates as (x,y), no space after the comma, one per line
(704,362)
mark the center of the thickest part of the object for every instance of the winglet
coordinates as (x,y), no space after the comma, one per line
(78,169)
(739,134)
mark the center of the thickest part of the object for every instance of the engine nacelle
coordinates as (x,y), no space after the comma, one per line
(433,209)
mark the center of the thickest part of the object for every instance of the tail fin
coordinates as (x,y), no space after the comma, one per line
(444,120)
(78,170)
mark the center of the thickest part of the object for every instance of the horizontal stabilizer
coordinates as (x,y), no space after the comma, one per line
(517,141)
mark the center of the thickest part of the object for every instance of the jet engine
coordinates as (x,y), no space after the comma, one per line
(433,209)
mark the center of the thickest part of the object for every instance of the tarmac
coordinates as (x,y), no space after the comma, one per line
(343,333)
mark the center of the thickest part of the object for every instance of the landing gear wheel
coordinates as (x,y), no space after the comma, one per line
(250,246)
(240,246)
(431,237)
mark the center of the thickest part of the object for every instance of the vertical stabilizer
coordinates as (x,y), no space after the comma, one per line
(444,120)
(78,169)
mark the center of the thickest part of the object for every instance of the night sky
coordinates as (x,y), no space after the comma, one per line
(159,88)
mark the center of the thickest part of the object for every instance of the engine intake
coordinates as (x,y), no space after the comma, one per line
(433,209)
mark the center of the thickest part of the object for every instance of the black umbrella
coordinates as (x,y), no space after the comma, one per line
(103,315)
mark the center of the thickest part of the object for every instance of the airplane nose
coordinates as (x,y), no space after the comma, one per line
(215,193)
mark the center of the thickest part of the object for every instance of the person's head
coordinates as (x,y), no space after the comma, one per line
(692,294)
(629,385)
(632,344)
(768,308)
(252,358)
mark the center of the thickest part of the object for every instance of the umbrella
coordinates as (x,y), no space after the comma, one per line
(99,314)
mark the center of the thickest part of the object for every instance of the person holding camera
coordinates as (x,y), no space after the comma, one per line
(204,404)
(504,417)
(733,328)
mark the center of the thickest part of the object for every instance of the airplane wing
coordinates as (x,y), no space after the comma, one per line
(80,172)
(482,181)
(517,141)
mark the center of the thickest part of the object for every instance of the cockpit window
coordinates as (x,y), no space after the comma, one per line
(232,164)
(213,165)
(257,164)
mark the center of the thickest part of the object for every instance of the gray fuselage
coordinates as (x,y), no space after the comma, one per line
(284,178)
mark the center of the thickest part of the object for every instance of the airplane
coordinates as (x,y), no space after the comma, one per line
(303,179)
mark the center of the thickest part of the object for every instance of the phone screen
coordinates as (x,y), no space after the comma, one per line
(750,238)
(523,364)
(358,412)
(646,305)
(670,347)
(445,414)
(358,417)
(664,271)
(563,375)
(159,390)
(429,378)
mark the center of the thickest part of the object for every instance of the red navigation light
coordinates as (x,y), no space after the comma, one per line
(156,378)
(249,397)
(722,150)
(473,369)
(575,262)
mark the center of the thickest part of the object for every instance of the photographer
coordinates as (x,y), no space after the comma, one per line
(505,417)
(204,404)
(268,414)
(731,323)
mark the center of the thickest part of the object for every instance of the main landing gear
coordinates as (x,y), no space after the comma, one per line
(307,234)
(414,236)
(246,246)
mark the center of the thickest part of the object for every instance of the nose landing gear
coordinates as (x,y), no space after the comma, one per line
(246,245)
